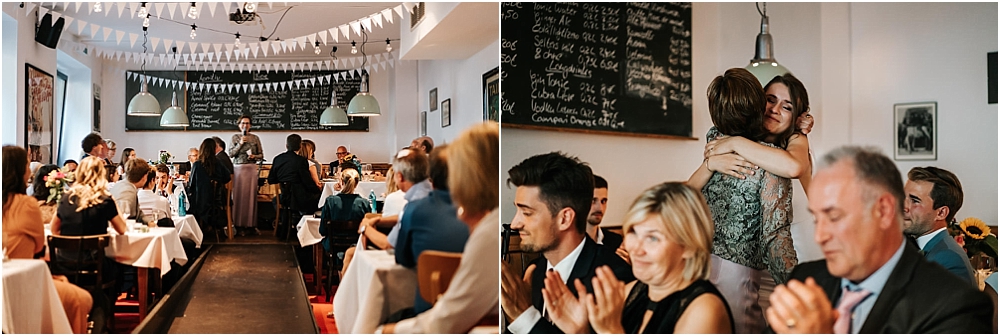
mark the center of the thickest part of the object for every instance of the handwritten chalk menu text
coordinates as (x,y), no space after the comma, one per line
(597,67)
(292,107)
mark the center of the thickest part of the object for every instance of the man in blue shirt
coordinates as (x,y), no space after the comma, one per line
(933,196)
(871,280)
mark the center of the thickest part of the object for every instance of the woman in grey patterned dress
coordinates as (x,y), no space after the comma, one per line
(246,150)
(752,207)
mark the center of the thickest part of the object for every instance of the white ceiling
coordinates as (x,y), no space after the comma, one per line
(302,19)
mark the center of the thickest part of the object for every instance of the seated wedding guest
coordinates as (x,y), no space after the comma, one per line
(220,154)
(871,281)
(24,234)
(127,154)
(150,202)
(424,143)
(164,184)
(344,206)
(126,192)
(933,196)
(298,191)
(393,205)
(88,209)
(431,223)
(553,197)
(342,156)
(109,161)
(598,205)
(208,178)
(669,231)
(411,176)
(41,192)
(473,174)
(315,168)
(69,166)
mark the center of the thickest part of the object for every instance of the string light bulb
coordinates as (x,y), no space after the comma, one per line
(250,7)
(98,7)
(388,46)
(317,50)
(193,11)
(145,21)
(142,11)
(194,28)
(237,39)
(354,47)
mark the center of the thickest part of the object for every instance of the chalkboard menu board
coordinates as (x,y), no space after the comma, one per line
(623,68)
(289,108)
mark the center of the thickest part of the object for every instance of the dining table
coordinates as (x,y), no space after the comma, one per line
(308,234)
(31,304)
(373,288)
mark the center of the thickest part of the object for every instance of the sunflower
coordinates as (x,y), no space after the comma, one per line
(975,228)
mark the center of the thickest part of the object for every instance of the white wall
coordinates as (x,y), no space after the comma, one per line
(83,71)
(458,80)
(857,60)
(9,103)
(28,51)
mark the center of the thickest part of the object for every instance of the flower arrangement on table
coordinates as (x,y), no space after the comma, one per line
(351,161)
(56,181)
(974,236)
(165,157)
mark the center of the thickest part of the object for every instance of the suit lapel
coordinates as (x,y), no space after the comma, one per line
(538,282)
(934,241)
(583,267)
(892,292)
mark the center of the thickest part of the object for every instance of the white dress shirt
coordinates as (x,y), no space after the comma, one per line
(151,203)
(923,240)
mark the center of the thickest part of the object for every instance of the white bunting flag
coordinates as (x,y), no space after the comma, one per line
(77,7)
(255,48)
(399,10)
(334,34)
(93,30)
(204,47)
(155,41)
(172,8)
(264,47)
(387,15)
(167,43)
(211,8)
(107,33)
(128,57)
(121,8)
(158,7)
(80,25)
(377,19)
(118,36)
(322,37)
(367,23)
(131,38)
(346,31)
(217,47)
(68,20)
(356,25)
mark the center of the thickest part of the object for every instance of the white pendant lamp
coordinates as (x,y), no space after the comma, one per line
(144,104)
(333,115)
(363,104)
(763,65)
(174,115)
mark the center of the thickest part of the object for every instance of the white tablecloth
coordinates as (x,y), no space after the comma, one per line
(153,249)
(187,227)
(30,302)
(310,235)
(363,188)
(373,288)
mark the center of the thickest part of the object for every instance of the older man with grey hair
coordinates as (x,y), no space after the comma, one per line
(871,280)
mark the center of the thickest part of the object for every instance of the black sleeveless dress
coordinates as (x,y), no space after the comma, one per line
(666,312)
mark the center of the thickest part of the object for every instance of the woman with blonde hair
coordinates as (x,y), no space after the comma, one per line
(474,180)
(668,234)
(394,197)
(345,206)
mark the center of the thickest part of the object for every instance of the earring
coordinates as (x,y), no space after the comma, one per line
(460,212)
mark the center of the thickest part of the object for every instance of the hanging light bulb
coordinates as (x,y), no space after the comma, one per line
(333,115)
(317,48)
(763,65)
(364,103)
(388,46)
(193,11)
(98,8)
(354,47)
(142,11)
(194,28)
(144,104)
(237,39)
(250,7)
(145,21)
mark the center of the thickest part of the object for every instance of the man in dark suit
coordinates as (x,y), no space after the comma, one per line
(871,281)
(220,154)
(553,194)
(298,191)
(598,205)
(933,196)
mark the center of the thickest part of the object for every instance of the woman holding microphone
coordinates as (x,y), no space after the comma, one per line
(246,151)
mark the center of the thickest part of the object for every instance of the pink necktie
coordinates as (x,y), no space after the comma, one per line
(848,300)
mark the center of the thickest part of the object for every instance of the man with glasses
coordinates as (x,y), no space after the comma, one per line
(245,152)
(342,154)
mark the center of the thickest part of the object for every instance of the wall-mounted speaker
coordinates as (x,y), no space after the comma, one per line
(47,33)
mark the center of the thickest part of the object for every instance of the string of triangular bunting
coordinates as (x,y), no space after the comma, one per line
(326,36)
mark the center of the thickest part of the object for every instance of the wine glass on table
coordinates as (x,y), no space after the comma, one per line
(366,169)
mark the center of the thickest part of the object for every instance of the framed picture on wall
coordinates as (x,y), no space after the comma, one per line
(38,109)
(491,95)
(446,113)
(423,123)
(97,109)
(432,98)
(915,131)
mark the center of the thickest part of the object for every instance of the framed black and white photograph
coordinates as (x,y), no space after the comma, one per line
(39,107)
(446,113)
(433,99)
(491,95)
(423,123)
(916,131)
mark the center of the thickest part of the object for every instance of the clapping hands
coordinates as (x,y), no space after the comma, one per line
(601,310)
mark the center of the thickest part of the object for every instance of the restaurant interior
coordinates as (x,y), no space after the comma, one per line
(364,79)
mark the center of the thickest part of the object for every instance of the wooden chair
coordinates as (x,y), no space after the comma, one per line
(229,209)
(510,249)
(277,207)
(341,235)
(86,270)
(434,272)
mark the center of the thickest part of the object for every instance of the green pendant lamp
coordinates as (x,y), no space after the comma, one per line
(763,65)
(144,104)
(364,103)
(174,115)
(333,115)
